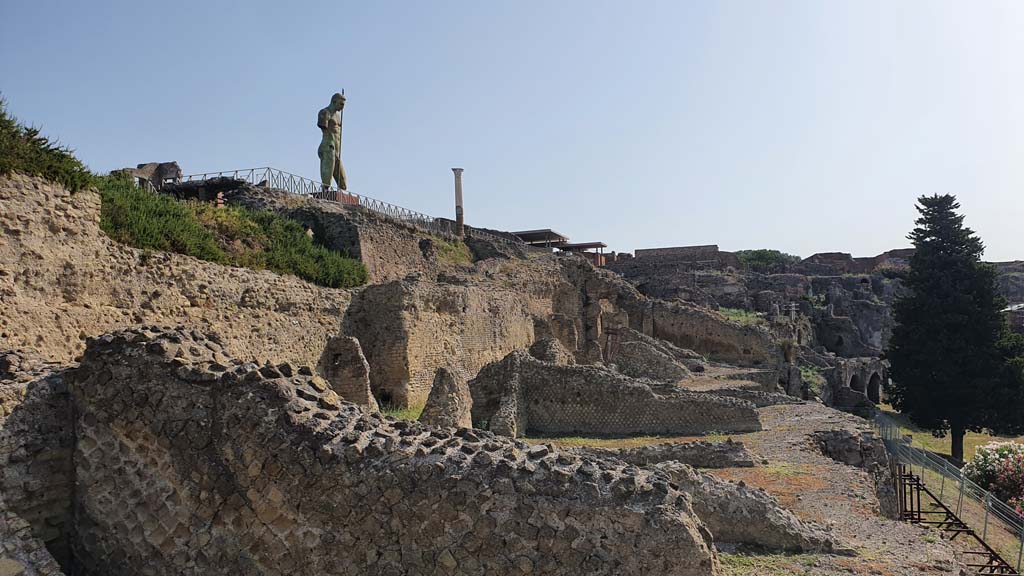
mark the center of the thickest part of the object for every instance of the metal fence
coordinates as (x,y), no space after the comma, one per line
(998,524)
(295,184)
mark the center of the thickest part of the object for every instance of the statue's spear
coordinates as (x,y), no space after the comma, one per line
(341,119)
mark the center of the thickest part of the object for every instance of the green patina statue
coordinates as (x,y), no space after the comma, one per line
(329,121)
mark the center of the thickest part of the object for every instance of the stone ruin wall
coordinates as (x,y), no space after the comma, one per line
(521,394)
(408,330)
(187,465)
(695,328)
(62,279)
(36,475)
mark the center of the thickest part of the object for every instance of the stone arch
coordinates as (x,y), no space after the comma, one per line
(875,388)
(856,383)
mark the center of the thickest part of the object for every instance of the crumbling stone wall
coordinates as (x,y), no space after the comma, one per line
(189,465)
(727,454)
(62,279)
(408,329)
(688,326)
(861,448)
(521,394)
(36,443)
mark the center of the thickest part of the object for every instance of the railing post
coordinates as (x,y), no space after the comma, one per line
(988,504)
(942,487)
(960,500)
(1020,551)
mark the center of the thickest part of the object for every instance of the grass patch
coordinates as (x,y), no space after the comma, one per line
(24,150)
(815,381)
(741,564)
(943,446)
(407,413)
(630,442)
(452,252)
(744,317)
(235,236)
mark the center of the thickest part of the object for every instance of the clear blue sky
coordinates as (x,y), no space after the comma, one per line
(804,126)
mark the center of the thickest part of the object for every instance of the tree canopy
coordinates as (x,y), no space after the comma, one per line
(766,261)
(951,354)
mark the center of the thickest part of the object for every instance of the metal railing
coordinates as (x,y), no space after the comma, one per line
(997,523)
(295,184)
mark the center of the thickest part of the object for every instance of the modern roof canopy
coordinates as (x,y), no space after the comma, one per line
(580,246)
(543,237)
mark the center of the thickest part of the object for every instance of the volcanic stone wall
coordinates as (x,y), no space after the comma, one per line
(688,326)
(62,279)
(186,465)
(521,394)
(36,444)
(409,329)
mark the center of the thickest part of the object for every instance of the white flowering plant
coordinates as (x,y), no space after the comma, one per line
(999,468)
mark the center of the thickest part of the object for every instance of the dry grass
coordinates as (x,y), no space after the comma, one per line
(787,482)
(924,438)
(742,564)
(631,442)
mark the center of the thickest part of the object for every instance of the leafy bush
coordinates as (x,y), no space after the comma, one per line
(745,317)
(766,261)
(230,235)
(999,468)
(812,376)
(22,149)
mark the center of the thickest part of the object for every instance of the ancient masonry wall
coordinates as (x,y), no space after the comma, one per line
(36,444)
(694,328)
(521,394)
(187,465)
(410,329)
(62,279)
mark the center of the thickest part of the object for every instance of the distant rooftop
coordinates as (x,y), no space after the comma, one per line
(580,246)
(543,237)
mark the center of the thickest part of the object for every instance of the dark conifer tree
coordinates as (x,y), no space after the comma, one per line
(948,349)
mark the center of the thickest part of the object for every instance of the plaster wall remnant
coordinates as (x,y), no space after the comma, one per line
(188,465)
(521,394)
(344,366)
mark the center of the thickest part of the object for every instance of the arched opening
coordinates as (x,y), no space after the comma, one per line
(856,384)
(840,342)
(875,388)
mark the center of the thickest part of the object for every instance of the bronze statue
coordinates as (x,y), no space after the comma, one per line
(329,121)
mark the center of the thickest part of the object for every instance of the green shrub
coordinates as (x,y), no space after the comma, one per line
(814,379)
(453,252)
(148,221)
(766,261)
(24,150)
(231,235)
(745,317)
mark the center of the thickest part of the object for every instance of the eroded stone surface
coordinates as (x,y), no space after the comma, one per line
(345,367)
(187,465)
(727,454)
(520,394)
(449,404)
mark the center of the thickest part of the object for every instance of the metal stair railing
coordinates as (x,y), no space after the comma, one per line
(994,522)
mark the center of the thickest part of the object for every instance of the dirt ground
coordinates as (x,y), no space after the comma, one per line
(839,497)
(816,488)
